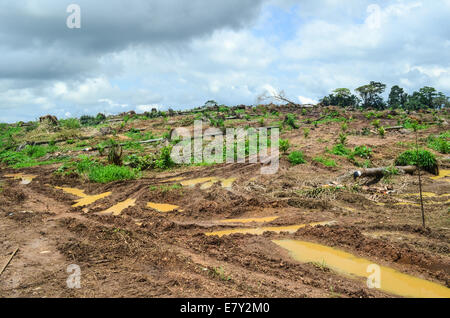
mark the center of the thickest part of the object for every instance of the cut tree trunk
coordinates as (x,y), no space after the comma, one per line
(378,172)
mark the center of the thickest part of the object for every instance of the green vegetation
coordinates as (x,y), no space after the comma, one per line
(440,143)
(382,132)
(422,158)
(291,121)
(110,173)
(86,120)
(219,272)
(70,123)
(284,145)
(166,188)
(340,97)
(371,97)
(327,162)
(29,157)
(306,132)
(296,158)
(96,172)
(164,160)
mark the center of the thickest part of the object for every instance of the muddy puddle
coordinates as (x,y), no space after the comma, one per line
(163,207)
(84,198)
(261,230)
(392,281)
(442,174)
(26,178)
(119,207)
(251,220)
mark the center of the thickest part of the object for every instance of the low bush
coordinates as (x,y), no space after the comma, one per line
(421,158)
(296,158)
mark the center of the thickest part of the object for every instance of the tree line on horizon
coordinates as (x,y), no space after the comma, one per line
(370,96)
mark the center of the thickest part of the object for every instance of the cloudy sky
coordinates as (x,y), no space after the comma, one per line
(138,54)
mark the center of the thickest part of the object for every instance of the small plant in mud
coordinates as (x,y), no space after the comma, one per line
(344,127)
(306,132)
(284,145)
(321,266)
(376,124)
(382,132)
(220,273)
(342,138)
(296,158)
(291,121)
(261,122)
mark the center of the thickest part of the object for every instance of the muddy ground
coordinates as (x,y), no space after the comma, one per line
(146,253)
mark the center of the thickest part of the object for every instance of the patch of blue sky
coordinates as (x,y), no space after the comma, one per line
(278,24)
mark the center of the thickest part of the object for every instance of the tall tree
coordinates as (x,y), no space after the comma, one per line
(397,97)
(371,95)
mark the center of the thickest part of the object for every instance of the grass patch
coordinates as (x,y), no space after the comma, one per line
(110,173)
(96,172)
(29,157)
(440,143)
(327,162)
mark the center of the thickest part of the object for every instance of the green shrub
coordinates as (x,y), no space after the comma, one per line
(164,160)
(290,120)
(422,158)
(440,143)
(296,158)
(382,132)
(139,162)
(363,152)
(340,150)
(284,145)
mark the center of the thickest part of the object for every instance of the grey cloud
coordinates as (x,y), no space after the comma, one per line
(36,43)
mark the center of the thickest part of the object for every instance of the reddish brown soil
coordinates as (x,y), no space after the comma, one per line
(145,253)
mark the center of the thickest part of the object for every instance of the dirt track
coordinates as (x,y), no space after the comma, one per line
(146,253)
(142,252)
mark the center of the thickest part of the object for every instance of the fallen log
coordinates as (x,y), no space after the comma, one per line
(394,128)
(8,261)
(379,172)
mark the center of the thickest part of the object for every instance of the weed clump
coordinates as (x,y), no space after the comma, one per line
(422,158)
(296,158)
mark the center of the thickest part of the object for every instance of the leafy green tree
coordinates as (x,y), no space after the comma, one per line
(371,95)
(340,97)
(397,97)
